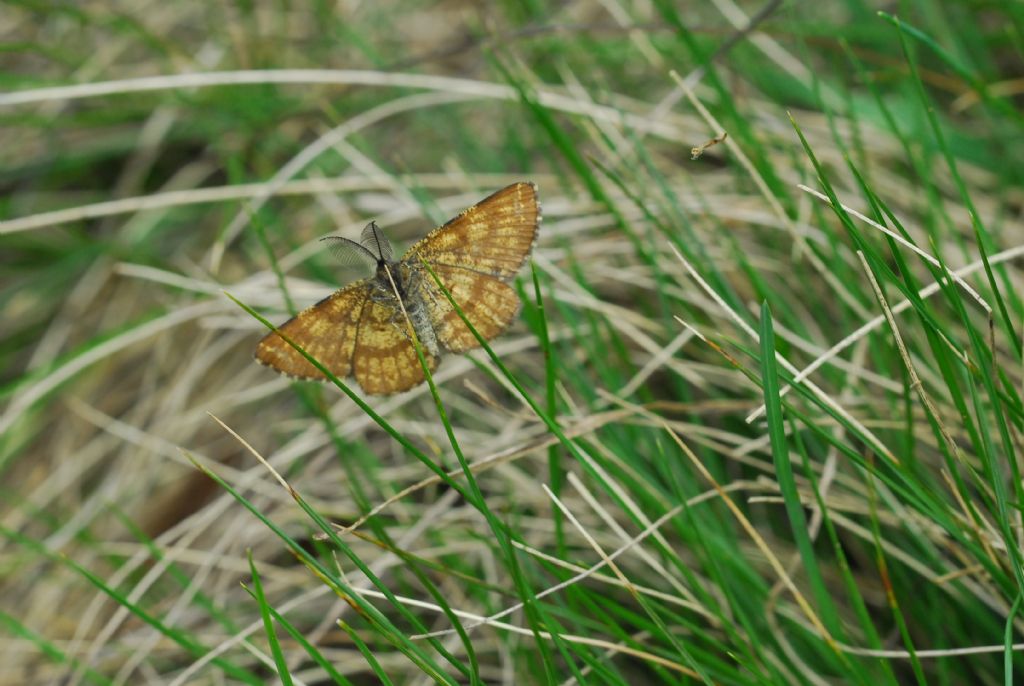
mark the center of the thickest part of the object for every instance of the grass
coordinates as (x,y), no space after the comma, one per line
(760,420)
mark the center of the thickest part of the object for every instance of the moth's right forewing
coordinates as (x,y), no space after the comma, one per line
(493,237)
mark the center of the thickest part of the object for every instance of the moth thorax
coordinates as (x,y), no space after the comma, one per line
(412,301)
(384,269)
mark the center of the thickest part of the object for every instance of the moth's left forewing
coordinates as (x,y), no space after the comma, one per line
(326,330)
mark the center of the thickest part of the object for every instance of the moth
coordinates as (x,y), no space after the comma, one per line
(365,329)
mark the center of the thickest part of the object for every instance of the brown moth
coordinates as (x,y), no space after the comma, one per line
(360,330)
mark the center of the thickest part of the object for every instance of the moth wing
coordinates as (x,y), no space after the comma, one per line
(489,304)
(327,330)
(384,359)
(493,237)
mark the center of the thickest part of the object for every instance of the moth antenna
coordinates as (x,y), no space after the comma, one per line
(349,253)
(375,241)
